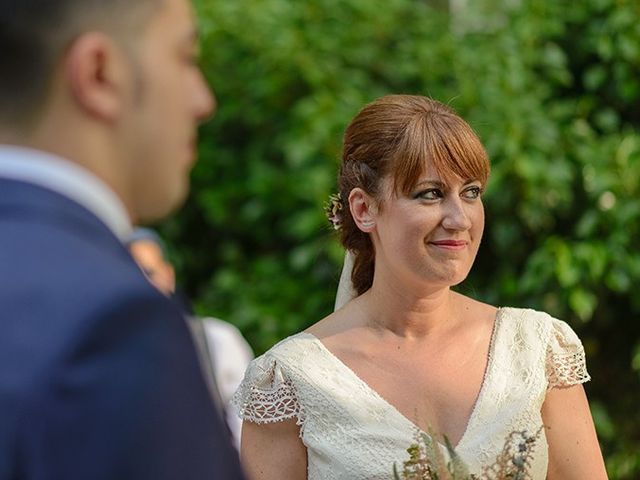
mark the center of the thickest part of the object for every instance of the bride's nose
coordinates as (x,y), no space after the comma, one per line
(455,216)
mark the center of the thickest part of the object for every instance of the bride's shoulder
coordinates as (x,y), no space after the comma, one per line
(525,315)
(333,324)
(294,342)
(530,323)
(306,341)
(323,328)
(470,308)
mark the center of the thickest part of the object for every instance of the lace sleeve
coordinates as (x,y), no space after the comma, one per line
(266,394)
(566,363)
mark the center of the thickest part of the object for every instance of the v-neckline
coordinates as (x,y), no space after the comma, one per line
(478,401)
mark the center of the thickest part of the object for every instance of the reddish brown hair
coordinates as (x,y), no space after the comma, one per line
(396,136)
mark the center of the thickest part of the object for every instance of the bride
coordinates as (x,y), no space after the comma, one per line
(345,398)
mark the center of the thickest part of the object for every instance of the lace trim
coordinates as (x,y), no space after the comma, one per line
(259,405)
(564,370)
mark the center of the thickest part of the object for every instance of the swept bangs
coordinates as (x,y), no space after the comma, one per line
(439,137)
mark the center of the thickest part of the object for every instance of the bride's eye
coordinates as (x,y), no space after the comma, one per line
(472,193)
(429,194)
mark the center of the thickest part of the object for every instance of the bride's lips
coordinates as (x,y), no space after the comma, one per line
(450,244)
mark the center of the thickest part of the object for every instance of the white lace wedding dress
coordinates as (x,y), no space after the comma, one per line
(351,432)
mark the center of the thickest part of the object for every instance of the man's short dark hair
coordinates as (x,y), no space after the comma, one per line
(33,37)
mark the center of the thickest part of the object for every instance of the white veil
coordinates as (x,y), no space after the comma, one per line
(345,291)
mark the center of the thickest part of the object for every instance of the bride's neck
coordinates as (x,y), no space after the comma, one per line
(409,315)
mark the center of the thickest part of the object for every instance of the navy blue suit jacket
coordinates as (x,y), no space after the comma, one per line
(98,374)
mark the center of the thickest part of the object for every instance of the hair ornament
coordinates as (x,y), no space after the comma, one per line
(333,209)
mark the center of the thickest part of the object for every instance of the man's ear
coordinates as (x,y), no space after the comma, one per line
(363,209)
(98,73)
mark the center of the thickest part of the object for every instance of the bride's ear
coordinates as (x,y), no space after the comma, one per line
(363,209)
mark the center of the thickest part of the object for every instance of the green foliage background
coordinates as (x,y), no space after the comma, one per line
(552,88)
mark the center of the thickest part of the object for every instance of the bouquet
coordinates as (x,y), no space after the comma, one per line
(428,462)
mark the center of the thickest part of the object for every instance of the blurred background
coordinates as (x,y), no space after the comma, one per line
(553,89)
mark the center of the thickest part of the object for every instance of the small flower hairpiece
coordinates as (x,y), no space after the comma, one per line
(333,209)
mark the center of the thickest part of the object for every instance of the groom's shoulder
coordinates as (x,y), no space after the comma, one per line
(86,325)
(59,247)
(62,291)
(53,265)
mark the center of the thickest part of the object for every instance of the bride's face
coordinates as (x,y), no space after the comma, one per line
(430,235)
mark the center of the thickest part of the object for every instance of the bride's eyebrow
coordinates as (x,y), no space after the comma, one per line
(440,184)
(471,180)
(431,183)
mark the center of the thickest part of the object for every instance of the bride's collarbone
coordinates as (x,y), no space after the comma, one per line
(434,390)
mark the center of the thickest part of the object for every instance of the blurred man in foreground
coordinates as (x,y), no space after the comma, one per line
(99,104)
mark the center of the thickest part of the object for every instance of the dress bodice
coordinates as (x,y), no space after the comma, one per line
(351,432)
